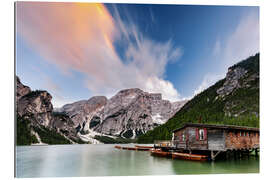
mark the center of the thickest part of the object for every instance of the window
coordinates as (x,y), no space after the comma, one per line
(240,133)
(201,134)
(183,137)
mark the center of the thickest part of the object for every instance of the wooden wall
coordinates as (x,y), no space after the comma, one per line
(247,140)
(178,139)
(216,139)
(194,142)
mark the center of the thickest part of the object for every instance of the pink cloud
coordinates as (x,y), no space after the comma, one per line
(81,36)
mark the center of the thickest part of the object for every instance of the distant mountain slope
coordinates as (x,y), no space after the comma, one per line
(36,122)
(232,100)
(123,117)
(131,112)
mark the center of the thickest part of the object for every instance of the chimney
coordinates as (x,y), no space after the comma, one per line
(200,120)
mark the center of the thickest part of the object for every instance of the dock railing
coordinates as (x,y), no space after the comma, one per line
(172,144)
(164,143)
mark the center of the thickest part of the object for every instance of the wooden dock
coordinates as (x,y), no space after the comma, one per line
(168,154)
(136,148)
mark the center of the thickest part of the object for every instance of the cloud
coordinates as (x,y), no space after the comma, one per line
(80,37)
(208,80)
(217,48)
(53,88)
(242,43)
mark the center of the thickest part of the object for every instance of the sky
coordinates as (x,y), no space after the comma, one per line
(79,50)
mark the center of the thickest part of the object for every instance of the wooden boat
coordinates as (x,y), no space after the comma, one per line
(129,148)
(160,153)
(144,147)
(186,156)
(133,148)
(118,147)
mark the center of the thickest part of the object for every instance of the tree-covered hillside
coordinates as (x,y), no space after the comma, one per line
(233,100)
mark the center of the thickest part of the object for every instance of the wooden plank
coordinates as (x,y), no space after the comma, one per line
(216,139)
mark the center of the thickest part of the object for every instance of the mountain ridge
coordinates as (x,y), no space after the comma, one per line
(127,114)
(233,100)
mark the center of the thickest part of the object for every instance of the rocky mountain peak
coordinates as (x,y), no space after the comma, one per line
(36,107)
(97,99)
(130,91)
(21,89)
(129,113)
(232,81)
(37,104)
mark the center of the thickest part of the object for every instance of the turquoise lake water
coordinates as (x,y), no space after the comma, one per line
(105,160)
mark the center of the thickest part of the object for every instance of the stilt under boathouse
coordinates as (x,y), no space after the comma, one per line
(212,140)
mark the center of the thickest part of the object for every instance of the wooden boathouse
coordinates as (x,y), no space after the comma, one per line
(212,140)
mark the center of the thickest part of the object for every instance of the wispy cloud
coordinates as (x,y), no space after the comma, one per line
(217,48)
(81,37)
(208,80)
(242,43)
(58,98)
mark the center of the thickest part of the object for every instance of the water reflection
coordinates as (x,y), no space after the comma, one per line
(247,165)
(105,160)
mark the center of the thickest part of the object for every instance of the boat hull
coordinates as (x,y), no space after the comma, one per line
(186,156)
(129,148)
(144,147)
(160,153)
(118,147)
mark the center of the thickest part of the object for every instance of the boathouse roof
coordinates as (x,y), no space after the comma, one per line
(217,126)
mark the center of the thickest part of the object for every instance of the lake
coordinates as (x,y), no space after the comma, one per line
(105,160)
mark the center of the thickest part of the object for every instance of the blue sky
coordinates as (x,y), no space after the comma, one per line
(177,50)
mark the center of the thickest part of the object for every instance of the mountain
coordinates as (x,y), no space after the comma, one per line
(233,100)
(36,121)
(85,113)
(128,114)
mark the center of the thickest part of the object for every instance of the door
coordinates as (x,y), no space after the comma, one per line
(216,139)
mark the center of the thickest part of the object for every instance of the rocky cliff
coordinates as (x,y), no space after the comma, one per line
(233,100)
(21,89)
(232,81)
(85,114)
(129,113)
(35,112)
(38,105)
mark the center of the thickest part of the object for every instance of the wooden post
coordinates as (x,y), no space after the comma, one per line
(213,155)
(256,152)
(227,155)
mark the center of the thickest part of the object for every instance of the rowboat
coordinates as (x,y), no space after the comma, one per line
(129,148)
(186,156)
(144,147)
(141,148)
(118,147)
(160,153)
